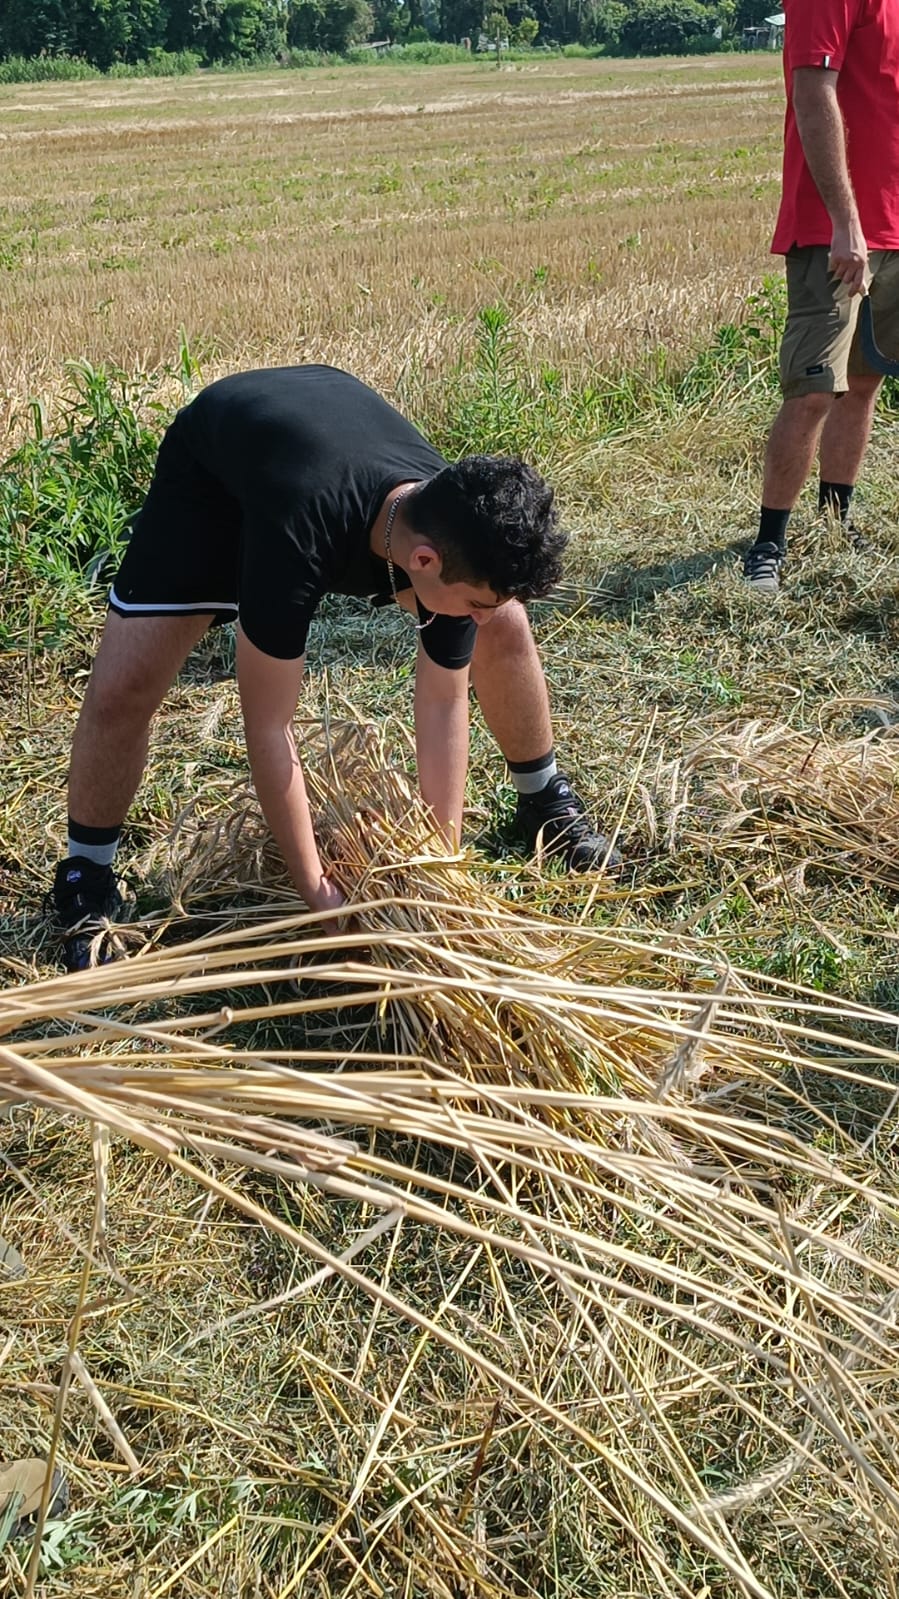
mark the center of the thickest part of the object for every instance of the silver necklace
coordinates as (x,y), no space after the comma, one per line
(388,525)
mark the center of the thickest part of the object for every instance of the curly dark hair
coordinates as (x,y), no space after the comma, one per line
(492,520)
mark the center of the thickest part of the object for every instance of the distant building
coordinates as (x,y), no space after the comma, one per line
(769,35)
(777,23)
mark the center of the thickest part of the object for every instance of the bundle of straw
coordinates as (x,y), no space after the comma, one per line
(800,800)
(653,1145)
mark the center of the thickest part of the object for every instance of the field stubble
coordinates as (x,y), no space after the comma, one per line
(632,1337)
(363,219)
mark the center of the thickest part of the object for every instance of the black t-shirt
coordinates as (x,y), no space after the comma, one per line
(309,454)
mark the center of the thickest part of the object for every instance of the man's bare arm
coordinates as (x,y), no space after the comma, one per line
(823,135)
(269,690)
(441,741)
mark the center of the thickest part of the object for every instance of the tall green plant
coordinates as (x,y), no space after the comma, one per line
(68,497)
(489,414)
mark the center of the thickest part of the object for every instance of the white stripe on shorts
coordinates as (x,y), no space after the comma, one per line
(157,607)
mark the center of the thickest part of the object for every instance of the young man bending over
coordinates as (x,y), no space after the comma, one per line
(272,489)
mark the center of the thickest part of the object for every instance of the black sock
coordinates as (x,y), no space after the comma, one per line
(773,528)
(835,497)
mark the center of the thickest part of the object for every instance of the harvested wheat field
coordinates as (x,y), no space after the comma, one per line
(541,1239)
(357,215)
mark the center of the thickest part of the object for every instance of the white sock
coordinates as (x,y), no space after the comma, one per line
(530,777)
(97,844)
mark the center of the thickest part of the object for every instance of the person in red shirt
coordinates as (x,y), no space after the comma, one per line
(838,228)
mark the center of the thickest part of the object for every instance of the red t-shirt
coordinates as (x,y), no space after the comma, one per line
(859,40)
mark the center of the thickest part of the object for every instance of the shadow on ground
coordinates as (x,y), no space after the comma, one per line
(623,588)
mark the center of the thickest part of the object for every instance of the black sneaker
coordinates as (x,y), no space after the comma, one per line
(554,823)
(761,567)
(86,899)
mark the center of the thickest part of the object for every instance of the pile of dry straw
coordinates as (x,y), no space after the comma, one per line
(650,1139)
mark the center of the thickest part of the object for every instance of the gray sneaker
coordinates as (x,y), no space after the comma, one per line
(761,567)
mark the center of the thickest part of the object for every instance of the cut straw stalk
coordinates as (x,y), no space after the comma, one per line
(621,1125)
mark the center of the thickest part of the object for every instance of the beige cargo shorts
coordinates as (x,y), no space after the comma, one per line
(820,349)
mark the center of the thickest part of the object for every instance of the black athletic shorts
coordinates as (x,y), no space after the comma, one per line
(184,559)
(183,556)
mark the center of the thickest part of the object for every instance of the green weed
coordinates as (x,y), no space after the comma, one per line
(500,401)
(67,497)
(809,958)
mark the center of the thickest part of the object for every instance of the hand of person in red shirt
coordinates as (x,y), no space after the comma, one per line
(848,259)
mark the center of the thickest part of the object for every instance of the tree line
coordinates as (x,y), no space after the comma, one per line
(107,32)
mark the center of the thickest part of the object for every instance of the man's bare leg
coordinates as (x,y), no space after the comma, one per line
(510,685)
(137,660)
(789,455)
(511,689)
(846,431)
(136,664)
(791,448)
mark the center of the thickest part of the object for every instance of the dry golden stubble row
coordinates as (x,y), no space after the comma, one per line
(608,225)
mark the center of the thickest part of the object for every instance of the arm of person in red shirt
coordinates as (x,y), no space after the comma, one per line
(820,124)
(441,741)
(269,690)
